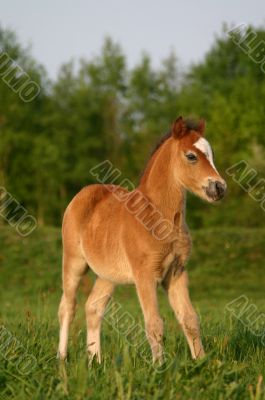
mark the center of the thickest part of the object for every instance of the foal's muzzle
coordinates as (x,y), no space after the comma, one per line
(215,190)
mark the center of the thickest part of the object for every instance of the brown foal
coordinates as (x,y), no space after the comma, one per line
(104,233)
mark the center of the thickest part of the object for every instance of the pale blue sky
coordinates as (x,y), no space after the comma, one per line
(61,29)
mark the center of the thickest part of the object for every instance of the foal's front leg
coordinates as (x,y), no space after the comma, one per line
(146,290)
(178,294)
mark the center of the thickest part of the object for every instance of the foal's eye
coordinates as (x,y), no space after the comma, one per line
(191,157)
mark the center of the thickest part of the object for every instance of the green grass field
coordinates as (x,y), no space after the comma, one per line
(225,264)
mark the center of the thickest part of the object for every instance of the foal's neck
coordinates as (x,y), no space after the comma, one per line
(160,186)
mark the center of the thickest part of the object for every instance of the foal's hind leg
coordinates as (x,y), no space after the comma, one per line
(95,307)
(73,269)
(178,294)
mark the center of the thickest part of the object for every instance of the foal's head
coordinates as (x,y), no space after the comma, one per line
(195,169)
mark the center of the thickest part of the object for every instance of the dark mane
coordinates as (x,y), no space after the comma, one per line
(159,143)
(191,125)
(157,146)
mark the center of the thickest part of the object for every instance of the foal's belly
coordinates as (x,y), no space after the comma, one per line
(106,265)
(118,273)
(101,242)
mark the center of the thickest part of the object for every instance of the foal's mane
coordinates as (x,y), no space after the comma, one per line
(190,124)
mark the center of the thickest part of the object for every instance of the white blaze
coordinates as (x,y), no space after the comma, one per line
(204,146)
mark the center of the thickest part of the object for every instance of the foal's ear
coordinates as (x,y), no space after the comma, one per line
(178,128)
(201,126)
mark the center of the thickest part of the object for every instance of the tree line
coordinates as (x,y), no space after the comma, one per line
(99,109)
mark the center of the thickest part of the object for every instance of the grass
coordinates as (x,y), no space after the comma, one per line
(225,264)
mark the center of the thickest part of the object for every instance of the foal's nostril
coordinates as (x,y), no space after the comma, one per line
(220,189)
(215,189)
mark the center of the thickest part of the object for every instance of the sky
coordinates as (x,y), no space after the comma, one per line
(59,30)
